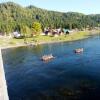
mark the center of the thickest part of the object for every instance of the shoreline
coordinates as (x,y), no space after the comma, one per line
(47,42)
(10,46)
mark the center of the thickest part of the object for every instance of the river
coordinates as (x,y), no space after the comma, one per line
(69,76)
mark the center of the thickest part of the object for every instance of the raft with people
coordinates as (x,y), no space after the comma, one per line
(79,50)
(47,57)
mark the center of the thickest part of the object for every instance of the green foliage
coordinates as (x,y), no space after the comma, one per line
(25,30)
(36,27)
(14,17)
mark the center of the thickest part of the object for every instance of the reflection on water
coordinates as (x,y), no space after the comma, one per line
(69,76)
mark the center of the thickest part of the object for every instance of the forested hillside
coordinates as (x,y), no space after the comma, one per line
(15,17)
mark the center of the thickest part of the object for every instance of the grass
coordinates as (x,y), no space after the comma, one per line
(71,37)
(44,39)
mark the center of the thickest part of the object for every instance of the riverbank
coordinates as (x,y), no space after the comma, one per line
(7,42)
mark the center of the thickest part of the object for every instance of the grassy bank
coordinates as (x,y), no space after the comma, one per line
(71,37)
(6,42)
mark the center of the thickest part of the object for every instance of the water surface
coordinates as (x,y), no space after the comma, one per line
(69,76)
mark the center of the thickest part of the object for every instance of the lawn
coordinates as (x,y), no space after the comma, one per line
(44,39)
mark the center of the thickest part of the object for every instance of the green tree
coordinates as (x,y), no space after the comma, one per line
(12,16)
(36,28)
(25,30)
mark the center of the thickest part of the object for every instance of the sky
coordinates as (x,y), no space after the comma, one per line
(82,6)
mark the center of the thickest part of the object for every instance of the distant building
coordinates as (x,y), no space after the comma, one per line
(67,31)
(16,34)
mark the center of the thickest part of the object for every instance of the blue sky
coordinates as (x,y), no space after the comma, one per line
(82,6)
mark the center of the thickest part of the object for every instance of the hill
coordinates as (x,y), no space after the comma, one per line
(15,17)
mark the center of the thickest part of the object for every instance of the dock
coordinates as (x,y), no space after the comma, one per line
(3,85)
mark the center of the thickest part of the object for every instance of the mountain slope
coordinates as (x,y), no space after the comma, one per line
(14,16)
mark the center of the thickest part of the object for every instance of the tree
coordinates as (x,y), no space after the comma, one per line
(12,16)
(25,30)
(36,28)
